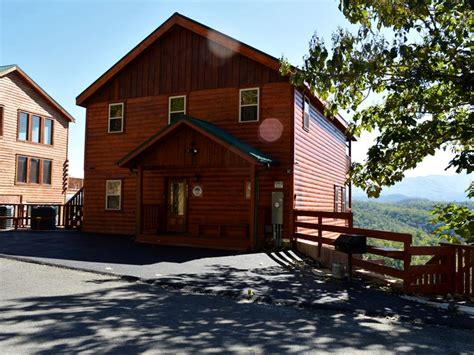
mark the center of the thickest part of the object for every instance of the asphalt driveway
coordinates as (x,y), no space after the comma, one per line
(275,278)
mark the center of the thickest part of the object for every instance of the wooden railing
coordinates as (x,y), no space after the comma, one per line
(152,216)
(68,215)
(21,216)
(74,210)
(449,270)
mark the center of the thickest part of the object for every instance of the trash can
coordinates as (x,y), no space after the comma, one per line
(43,218)
(6,211)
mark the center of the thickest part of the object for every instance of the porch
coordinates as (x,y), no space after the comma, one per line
(197,185)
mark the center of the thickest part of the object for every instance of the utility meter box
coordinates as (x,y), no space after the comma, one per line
(277,207)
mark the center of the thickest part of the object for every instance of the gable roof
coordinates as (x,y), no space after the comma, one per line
(186,22)
(244,150)
(6,69)
(207,32)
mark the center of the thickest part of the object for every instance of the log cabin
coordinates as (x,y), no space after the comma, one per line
(33,141)
(194,138)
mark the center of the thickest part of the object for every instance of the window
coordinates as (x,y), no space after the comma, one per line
(248,190)
(33,176)
(23,126)
(177,108)
(113,195)
(35,128)
(47,172)
(339,199)
(1,121)
(31,170)
(21,167)
(115,118)
(306,114)
(48,131)
(248,107)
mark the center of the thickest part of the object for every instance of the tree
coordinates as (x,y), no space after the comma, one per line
(414,56)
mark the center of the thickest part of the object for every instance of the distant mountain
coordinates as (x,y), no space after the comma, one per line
(431,187)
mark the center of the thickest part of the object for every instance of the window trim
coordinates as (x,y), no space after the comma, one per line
(169,106)
(28,169)
(306,103)
(29,132)
(116,118)
(107,195)
(249,105)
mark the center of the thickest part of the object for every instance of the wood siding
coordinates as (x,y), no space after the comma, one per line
(273,134)
(320,160)
(182,61)
(16,94)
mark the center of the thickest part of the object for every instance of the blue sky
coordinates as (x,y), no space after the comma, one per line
(65,45)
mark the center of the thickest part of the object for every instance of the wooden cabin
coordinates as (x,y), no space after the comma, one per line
(194,138)
(33,141)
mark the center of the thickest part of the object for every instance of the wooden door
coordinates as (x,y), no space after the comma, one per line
(176,214)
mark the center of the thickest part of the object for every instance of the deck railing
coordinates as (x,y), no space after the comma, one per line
(449,270)
(68,215)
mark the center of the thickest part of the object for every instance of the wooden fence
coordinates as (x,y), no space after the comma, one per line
(449,270)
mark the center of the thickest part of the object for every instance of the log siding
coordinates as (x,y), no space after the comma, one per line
(16,94)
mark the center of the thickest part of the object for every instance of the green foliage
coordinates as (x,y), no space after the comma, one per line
(411,216)
(415,56)
(454,223)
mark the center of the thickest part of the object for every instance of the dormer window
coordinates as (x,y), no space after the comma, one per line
(176,108)
(116,118)
(248,107)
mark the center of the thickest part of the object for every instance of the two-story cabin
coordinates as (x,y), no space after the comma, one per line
(194,138)
(33,141)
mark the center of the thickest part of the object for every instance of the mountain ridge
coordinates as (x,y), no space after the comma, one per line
(442,188)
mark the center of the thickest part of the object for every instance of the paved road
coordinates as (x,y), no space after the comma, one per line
(45,310)
(272,277)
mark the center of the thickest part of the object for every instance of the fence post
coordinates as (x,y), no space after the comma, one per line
(407,277)
(320,235)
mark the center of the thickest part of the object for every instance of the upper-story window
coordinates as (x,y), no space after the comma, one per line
(116,118)
(48,131)
(306,113)
(176,108)
(35,128)
(248,105)
(23,130)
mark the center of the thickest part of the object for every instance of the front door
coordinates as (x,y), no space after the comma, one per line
(176,214)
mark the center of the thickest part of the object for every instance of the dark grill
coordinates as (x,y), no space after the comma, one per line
(351,244)
(43,218)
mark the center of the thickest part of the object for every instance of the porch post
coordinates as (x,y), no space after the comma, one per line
(139,201)
(252,229)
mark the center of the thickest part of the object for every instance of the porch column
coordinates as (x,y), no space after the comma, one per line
(252,229)
(139,201)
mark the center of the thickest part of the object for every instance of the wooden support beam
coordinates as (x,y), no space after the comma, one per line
(253,203)
(139,201)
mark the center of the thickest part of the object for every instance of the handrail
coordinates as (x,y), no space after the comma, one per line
(450,270)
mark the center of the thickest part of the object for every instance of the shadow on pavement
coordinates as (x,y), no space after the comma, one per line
(135,318)
(73,245)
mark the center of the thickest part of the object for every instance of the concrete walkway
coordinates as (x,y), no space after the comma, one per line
(276,278)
